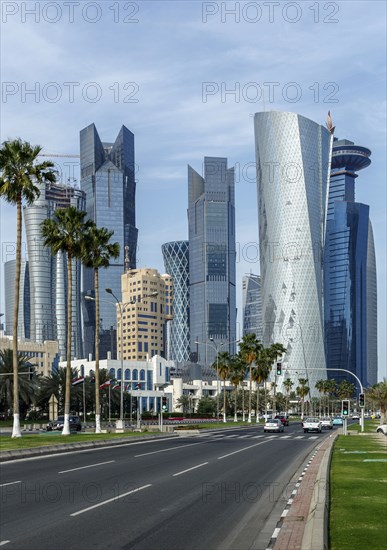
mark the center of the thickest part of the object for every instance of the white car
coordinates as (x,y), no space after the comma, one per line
(382,429)
(312,424)
(326,422)
(273,425)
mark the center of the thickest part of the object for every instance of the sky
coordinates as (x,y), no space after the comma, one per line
(186,78)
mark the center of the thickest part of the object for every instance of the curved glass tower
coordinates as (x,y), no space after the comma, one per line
(48,274)
(252,306)
(176,262)
(349,271)
(293,158)
(24,300)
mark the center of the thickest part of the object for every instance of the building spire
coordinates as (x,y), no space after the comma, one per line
(126,264)
(330,126)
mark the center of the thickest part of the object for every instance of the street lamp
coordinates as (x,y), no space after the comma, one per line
(217,348)
(122,308)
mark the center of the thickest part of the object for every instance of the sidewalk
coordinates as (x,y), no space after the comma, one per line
(303,523)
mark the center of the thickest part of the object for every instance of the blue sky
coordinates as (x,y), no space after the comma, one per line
(167,70)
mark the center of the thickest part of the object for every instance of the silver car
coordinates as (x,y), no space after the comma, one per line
(273,425)
(326,422)
(312,424)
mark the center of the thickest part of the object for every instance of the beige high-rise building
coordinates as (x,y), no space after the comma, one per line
(144,316)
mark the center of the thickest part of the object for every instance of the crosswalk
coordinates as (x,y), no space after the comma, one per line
(251,436)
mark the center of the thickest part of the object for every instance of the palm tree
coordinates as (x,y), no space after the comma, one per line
(330,388)
(302,390)
(320,385)
(378,393)
(346,390)
(19,174)
(97,253)
(261,374)
(63,233)
(288,384)
(236,377)
(223,363)
(27,387)
(249,348)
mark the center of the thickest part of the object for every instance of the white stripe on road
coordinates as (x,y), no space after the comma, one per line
(284,513)
(169,449)
(10,483)
(110,500)
(4,542)
(275,533)
(233,435)
(244,449)
(256,436)
(189,469)
(299,437)
(313,437)
(286,436)
(83,467)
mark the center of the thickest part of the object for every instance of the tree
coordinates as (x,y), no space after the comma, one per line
(288,384)
(320,385)
(19,174)
(330,388)
(64,233)
(27,387)
(97,252)
(207,405)
(223,365)
(260,374)
(183,403)
(302,391)
(346,390)
(378,393)
(237,374)
(249,349)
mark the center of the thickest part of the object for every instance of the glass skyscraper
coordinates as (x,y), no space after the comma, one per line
(211,219)
(293,159)
(252,305)
(176,262)
(108,179)
(48,274)
(349,271)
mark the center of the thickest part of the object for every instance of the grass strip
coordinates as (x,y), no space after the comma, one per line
(358,493)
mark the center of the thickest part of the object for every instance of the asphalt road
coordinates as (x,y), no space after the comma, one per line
(214,490)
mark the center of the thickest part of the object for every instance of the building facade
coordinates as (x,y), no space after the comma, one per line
(349,271)
(48,273)
(252,305)
(176,262)
(24,298)
(144,316)
(108,180)
(293,159)
(43,356)
(211,219)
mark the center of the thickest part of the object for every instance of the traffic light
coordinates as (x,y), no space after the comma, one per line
(279,369)
(165,404)
(345,407)
(361,399)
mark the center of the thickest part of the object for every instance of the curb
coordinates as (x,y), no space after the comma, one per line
(317,523)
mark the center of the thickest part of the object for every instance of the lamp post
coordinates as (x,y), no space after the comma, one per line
(217,348)
(122,308)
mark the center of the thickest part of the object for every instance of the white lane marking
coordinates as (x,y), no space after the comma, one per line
(4,542)
(284,513)
(169,449)
(10,483)
(313,437)
(110,500)
(244,449)
(286,436)
(83,467)
(275,533)
(233,435)
(256,436)
(189,469)
(299,437)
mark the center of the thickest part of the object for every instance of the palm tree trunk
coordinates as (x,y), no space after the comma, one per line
(66,424)
(224,401)
(257,407)
(97,402)
(243,402)
(236,405)
(250,391)
(16,416)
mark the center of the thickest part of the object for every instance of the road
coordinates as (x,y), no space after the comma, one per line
(214,490)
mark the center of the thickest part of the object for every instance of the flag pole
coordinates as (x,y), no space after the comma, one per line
(109,405)
(84,401)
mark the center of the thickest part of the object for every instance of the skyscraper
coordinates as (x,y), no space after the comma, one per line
(252,305)
(24,298)
(107,178)
(176,262)
(48,274)
(349,271)
(293,158)
(211,218)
